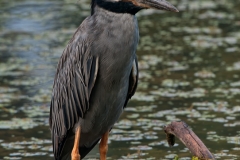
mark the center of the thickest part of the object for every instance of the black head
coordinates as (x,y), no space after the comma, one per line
(132,6)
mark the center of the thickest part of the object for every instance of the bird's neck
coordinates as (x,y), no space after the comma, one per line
(116,7)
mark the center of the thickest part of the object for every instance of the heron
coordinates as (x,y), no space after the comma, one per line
(96,76)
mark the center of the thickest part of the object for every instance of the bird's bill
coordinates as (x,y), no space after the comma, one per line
(156,4)
(161,4)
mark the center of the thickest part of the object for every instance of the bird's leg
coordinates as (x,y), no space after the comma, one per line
(75,151)
(103,146)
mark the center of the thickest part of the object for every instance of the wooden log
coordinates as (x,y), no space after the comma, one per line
(181,130)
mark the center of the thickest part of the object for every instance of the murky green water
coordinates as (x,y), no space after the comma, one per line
(189,70)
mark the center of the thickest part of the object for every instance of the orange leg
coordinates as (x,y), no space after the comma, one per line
(103,146)
(75,152)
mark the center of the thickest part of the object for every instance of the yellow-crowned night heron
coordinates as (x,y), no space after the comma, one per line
(96,76)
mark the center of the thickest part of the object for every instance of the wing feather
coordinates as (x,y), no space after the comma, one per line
(73,83)
(133,81)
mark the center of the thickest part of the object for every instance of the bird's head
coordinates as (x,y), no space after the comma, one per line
(133,6)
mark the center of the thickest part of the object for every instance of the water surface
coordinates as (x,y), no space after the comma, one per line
(189,70)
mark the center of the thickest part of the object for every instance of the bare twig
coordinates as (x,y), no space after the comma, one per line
(181,130)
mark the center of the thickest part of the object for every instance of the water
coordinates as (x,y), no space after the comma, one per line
(189,70)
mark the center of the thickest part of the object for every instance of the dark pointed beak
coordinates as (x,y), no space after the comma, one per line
(160,4)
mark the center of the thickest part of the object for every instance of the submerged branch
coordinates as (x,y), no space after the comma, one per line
(189,139)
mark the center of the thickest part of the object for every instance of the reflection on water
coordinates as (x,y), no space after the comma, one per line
(189,70)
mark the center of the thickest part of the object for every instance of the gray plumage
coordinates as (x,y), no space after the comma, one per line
(91,86)
(96,76)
